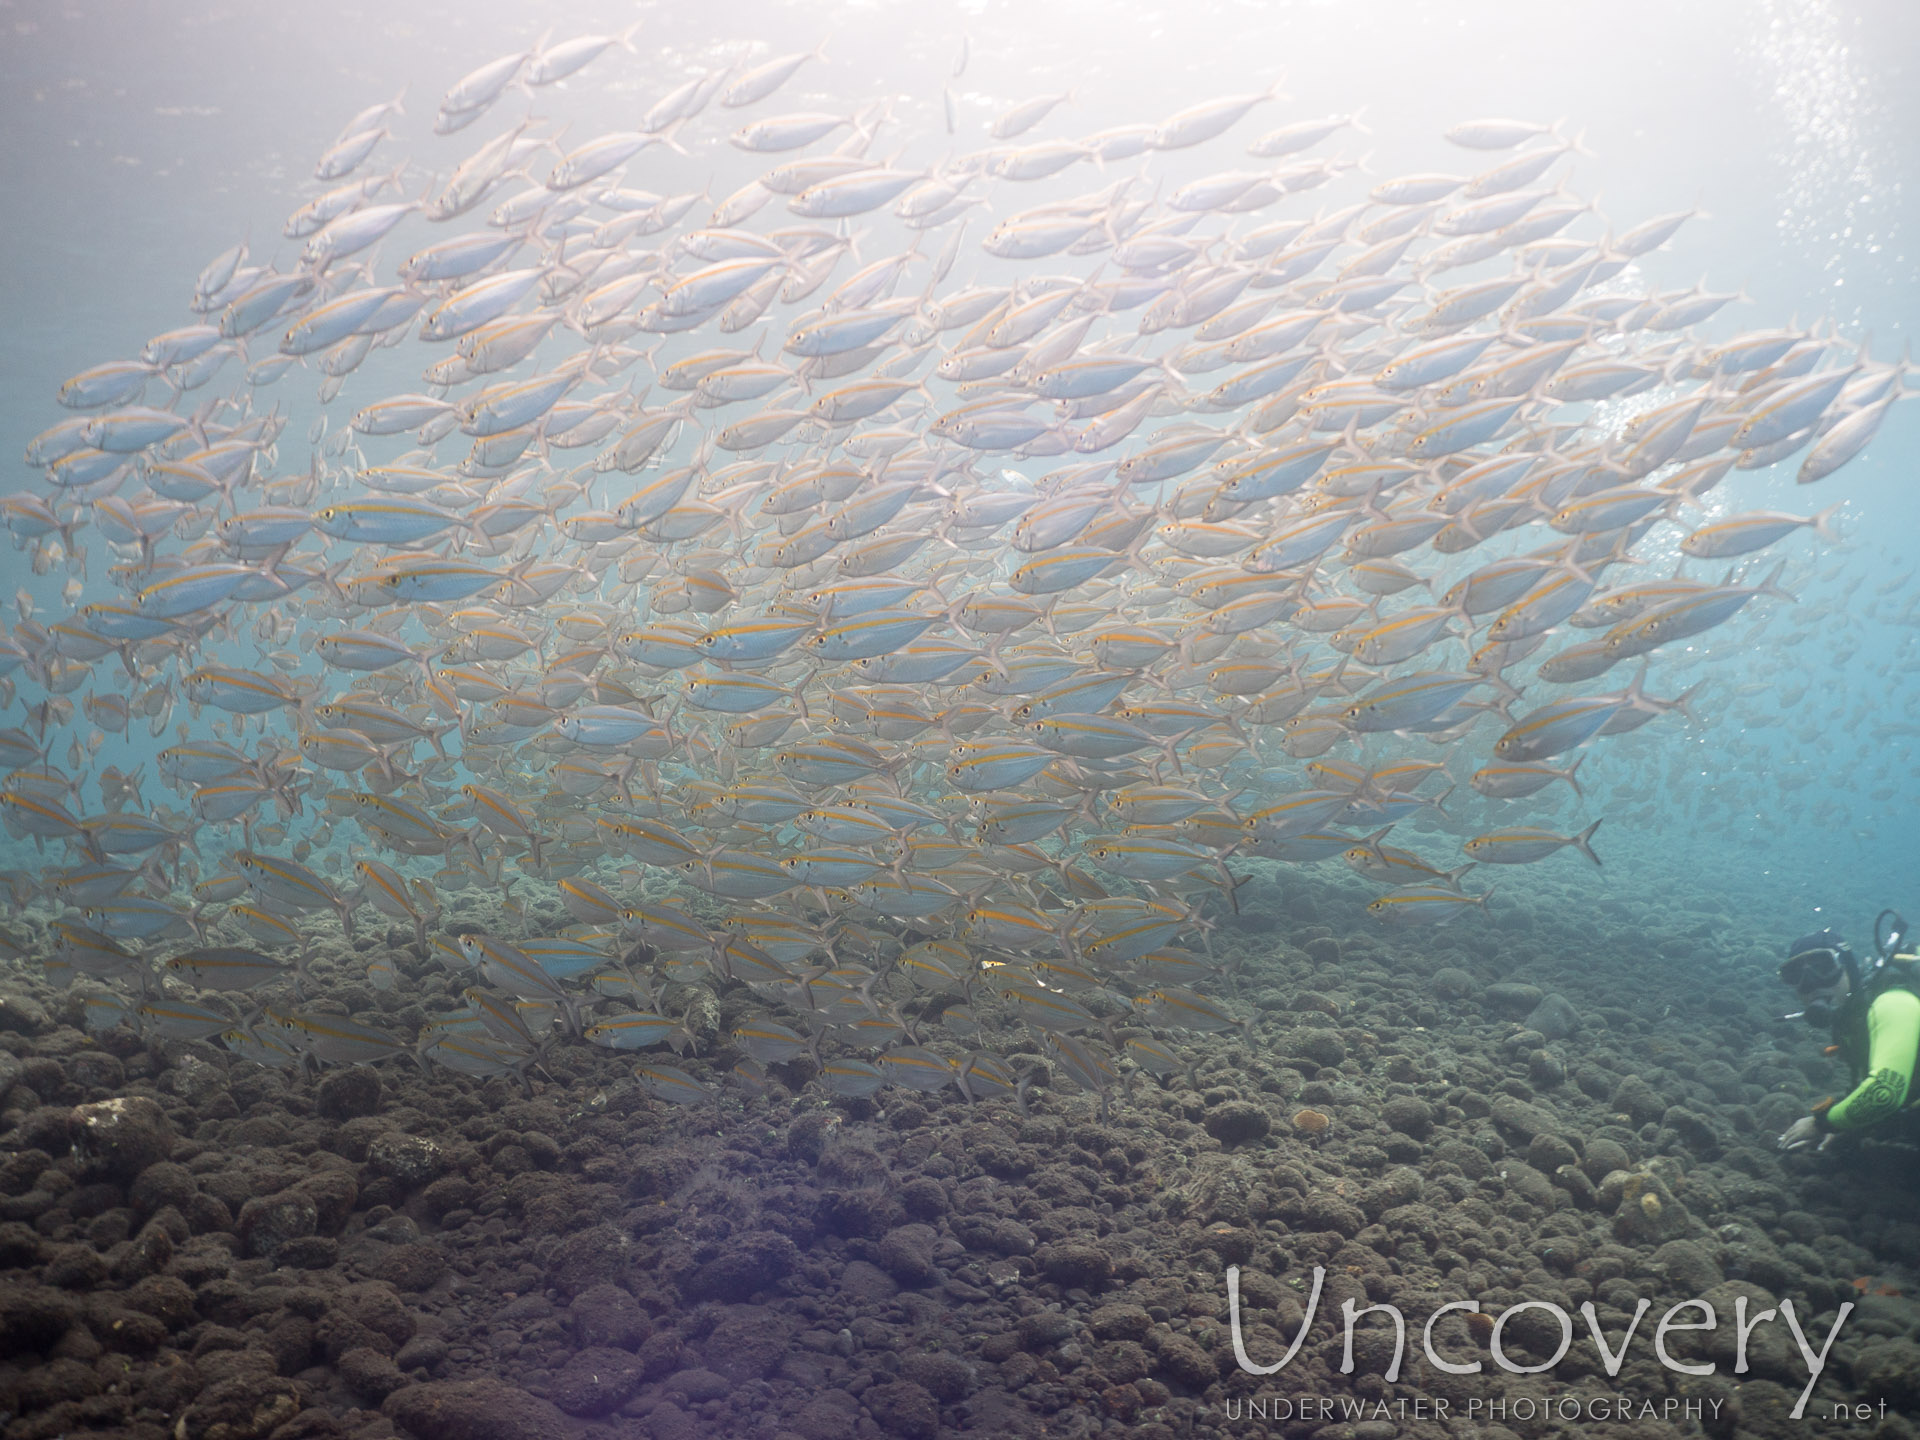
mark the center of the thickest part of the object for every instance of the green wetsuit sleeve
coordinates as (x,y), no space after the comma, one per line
(1893,1040)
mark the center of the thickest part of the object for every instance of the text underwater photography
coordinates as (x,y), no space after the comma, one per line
(1368,1412)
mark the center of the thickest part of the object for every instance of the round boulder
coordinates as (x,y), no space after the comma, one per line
(751,1262)
(1238,1122)
(1554,1017)
(597,1381)
(1078,1267)
(344,1094)
(162,1185)
(906,1253)
(473,1410)
(606,1316)
(1322,1047)
(268,1224)
(407,1160)
(1410,1115)
(943,1375)
(117,1139)
(905,1409)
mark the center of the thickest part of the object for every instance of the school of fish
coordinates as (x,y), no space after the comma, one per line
(908,593)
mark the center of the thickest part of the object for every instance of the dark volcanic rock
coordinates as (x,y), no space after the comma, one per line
(370,1315)
(1517,1117)
(1514,998)
(1121,1322)
(474,1410)
(412,1267)
(268,1223)
(75,1267)
(32,1318)
(1554,1017)
(1408,1114)
(1635,1097)
(598,1255)
(751,1263)
(19,1170)
(54,1383)
(423,1352)
(161,1185)
(24,1015)
(1237,1122)
(343,1094)
(246,1407)
(1078,1267)
(866,1284)
(809,1136)
(905,1409)
(748,1344)
(606,1315)
(166,1298)
(1890,1368)
(449,1192)
(1322,1047)
(119,1138)
(906,1253)
(699,1384)
(1184,1362)
(924,1197)
(312,1252)
(369,1374)
(945,1376)
(19,1246)
(1044,1330)
(597,1381)
(852,1167)
(407,1160)
(832,1416)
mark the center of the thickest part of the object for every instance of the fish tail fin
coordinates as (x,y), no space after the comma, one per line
(1568,776)
(1481,900)
(1170,747)
(1233,883)
(960,1076)
(1582,842)
(1508,693)
(1679,702)
(1771,585)
(1820,519)
(623,778)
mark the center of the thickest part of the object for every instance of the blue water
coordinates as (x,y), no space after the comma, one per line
(143,139)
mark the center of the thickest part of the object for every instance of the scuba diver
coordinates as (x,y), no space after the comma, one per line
(1874,1019)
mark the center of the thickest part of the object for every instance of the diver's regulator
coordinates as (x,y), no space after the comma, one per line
(1818,962)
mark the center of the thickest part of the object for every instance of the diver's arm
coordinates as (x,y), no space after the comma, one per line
(1893,1040)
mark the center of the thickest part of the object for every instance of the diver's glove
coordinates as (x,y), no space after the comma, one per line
(1805,1133)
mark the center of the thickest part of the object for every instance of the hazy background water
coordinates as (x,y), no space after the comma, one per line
(144,138)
